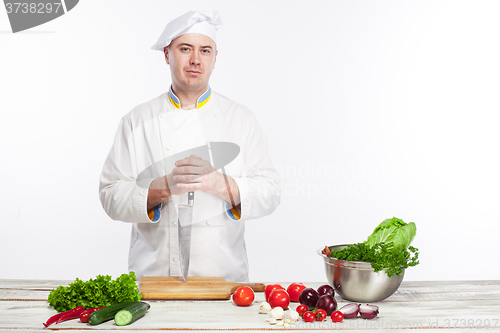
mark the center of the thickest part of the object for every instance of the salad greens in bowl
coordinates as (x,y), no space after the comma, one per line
(372,270)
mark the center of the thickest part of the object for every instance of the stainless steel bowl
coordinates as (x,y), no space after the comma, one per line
(357,281)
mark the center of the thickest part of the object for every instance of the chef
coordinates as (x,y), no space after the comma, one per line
(166,147)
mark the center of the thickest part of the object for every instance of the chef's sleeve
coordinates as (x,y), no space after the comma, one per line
(122,196)
(259,186)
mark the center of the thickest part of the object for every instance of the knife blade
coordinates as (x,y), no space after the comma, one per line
(185,219)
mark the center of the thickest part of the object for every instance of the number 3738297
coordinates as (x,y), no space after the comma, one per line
(32,7)
(470,323)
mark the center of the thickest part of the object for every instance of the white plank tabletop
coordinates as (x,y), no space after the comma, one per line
(456,306)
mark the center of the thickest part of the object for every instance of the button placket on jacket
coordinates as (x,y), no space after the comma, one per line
(173,246)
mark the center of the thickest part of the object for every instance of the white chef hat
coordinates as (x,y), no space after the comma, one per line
(193,22)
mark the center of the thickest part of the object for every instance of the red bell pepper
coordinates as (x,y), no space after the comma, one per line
(56,318)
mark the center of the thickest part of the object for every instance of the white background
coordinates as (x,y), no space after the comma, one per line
(372,109)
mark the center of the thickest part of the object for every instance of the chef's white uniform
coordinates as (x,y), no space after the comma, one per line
(149,140)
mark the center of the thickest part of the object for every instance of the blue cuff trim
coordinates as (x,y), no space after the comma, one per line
(156,216)
(232,213)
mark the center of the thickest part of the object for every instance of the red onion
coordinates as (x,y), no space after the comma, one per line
(350,310)
(325,290)
(309,297)
(368,311)
(327,303)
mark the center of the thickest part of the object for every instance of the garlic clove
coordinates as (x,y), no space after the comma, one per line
(276,313)
(271,321)
(265,308)
(292,315)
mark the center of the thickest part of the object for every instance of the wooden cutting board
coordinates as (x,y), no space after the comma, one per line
(196,287)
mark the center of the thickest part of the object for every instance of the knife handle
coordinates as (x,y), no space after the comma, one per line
(190,198)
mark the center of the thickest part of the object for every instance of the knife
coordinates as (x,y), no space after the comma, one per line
(185,219)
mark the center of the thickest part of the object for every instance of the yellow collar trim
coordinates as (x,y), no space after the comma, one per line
(202,100)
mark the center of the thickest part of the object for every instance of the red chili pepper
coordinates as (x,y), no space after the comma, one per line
(73,314)
(55,318)
(84,316)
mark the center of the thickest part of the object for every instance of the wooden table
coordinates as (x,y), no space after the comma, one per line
(457,306)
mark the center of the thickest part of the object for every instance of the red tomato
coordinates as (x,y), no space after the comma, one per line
(320,314)
(243,296)
(294,291)
(270,288)
(309,316)
(84,317)
(337,316)
(301,309)
(279,297)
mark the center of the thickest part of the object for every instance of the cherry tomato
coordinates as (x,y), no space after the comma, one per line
(270,288)
(337,316)
(301,309)
(294,291)
(243,296)
(320,314)
(279,297)
(84,317)
(309,316)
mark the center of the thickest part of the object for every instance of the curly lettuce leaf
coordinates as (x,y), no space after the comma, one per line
(101,291)
(379,257)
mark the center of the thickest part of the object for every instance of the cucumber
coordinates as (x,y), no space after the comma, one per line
(131,313)
(107,313)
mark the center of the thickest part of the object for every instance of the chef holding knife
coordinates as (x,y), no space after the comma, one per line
(189,167)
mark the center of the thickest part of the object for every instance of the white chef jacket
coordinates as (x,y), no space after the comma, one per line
(149,140)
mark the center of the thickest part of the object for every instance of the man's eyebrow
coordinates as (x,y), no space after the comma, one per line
(189,45)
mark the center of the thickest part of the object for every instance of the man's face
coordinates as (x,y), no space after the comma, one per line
(191,58)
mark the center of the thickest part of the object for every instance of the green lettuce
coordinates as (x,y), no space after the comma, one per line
(387,248)
(101,291)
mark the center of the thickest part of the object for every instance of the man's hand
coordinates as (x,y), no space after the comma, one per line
(192,174)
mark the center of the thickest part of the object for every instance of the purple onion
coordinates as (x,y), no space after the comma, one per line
(308,297)
(327,303)
(350,310)
(368,311)
(326,289)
